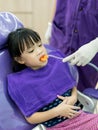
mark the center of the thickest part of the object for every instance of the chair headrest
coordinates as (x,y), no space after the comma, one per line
(8,22)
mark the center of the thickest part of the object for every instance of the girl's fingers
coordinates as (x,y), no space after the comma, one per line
(75,108)
(73,114)
(61,97)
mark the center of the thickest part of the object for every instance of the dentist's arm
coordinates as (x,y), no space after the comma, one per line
(49,28)
(84,54)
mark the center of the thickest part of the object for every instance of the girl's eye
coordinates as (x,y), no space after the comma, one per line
(31,51)
(40,45)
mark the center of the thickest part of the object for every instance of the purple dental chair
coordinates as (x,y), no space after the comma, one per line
(10,116)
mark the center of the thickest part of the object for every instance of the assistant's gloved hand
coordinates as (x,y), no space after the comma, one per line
(48,32)
(84,54)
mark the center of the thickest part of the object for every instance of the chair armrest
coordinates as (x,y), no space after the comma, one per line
(39,127)
(88,103)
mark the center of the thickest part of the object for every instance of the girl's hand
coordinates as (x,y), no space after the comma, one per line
(71,100)
(66,110)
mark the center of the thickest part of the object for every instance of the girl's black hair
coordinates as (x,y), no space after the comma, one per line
(17,40)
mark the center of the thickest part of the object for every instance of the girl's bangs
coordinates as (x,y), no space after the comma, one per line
(28,41)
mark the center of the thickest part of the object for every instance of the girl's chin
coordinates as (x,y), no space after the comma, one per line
(40,66)
(44,62)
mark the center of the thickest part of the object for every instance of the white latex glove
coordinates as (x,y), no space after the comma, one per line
(48,31)
(84,54)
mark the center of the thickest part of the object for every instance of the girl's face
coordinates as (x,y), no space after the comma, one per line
(31,56)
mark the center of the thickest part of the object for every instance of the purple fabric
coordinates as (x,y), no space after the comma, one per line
(10,116)
(76,23)
(33,89)
(91,92)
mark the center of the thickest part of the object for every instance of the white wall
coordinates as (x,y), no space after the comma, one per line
(34,14)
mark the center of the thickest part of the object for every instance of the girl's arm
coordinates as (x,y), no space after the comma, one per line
(71,100)
(62,109)
(40,117)
(74,93)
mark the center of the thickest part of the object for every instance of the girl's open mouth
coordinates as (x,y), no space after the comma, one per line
(43,58)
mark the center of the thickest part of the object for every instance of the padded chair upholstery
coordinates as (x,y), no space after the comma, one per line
(10,116)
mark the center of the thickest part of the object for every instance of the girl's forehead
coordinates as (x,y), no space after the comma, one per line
(26,47)
(32,45)
(29,43)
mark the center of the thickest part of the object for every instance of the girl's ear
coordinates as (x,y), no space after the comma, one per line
(19,60)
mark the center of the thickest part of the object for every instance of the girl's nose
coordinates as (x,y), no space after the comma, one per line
(38,51)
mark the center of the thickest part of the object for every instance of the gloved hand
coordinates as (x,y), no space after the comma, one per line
(84,54)
(48,32)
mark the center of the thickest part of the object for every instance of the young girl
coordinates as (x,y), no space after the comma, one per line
(44,90)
